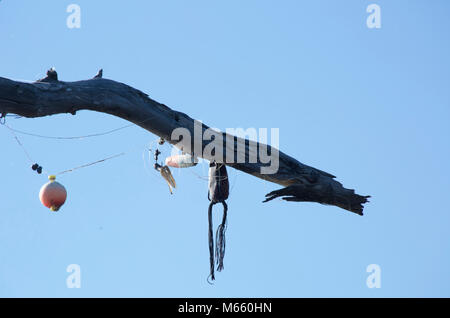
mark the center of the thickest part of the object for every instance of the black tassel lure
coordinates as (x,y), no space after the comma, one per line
(219,189)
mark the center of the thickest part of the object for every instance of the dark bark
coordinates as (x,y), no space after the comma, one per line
(51,96)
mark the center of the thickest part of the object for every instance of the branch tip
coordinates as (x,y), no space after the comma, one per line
(99,74)
(52,76)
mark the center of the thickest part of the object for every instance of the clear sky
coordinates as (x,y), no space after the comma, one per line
(371,106)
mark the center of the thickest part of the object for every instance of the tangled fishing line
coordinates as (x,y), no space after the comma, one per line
(218,184)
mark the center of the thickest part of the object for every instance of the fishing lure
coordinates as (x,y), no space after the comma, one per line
(167,175)
(181,161)
(218,192)
(165,172)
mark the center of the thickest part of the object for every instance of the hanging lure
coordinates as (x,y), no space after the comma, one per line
(165,172)
(167,175)
(181,161)
(53,194)
(218,192)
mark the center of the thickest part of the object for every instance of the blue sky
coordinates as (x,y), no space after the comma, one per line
(371,106)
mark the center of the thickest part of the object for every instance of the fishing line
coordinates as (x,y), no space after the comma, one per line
(13,115)
(146,161)
(35,167)
(99,161)
(18,141)
(90,164)
(73,137)
(206,178)
(40,170)
(203,178)
(70,137)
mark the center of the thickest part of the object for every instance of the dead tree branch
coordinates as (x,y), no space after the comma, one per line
(51,96)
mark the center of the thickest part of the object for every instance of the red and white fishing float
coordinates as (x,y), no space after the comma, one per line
(181,161)
(53,194)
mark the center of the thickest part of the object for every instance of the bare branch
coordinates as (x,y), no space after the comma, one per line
(50,96)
